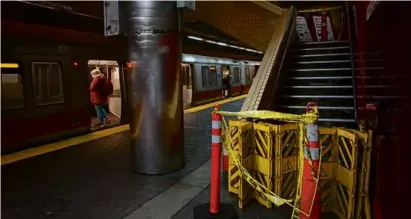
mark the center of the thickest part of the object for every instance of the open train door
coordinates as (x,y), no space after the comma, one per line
(186,74)
(112,72)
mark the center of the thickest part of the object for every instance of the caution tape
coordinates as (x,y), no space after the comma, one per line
(310,117)
(274,198)
(320,9)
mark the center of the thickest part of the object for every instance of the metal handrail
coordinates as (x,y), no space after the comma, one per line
(266,100)
(350,41)
(289,36)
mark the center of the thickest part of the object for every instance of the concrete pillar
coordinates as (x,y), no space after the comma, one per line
(154,87)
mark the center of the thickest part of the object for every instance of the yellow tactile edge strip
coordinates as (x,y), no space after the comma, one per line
(47,148)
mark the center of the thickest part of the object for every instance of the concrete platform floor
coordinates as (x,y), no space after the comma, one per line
(252,211)
(93,179)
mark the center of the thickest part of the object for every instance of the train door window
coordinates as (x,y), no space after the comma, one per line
(12,91)
(225,69)
(204,76)
(187,86)
(247,74)
(212,76)
(47,83)
(252,74)
(186,75)
(189,77)
(183,74)
(237,77)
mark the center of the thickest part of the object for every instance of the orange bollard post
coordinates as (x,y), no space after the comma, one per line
(215,209)
(310,170)
(215,161)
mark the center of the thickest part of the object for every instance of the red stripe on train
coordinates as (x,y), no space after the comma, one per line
(18,132)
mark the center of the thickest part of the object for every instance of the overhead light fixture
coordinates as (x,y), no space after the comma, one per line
(223,44)
(195,38)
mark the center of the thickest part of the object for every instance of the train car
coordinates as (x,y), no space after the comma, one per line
(202,77)
(45,81)
(45,93)
(45,90)
(44,70)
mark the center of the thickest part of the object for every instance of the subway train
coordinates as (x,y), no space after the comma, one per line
(45,88)
(202,77)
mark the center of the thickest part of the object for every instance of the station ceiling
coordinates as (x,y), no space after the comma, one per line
(243,23)
(250,23)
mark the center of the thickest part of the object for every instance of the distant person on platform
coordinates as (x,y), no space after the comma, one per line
(226,84)
(100,89)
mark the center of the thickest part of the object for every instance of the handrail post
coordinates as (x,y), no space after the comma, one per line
(352,39)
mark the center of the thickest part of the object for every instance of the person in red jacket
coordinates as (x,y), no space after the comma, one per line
(99,96)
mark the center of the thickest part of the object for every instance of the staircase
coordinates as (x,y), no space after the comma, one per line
(319,72)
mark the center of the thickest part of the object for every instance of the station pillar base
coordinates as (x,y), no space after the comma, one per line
(227,211)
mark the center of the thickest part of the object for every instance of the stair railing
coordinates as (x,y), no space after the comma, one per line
(261,93)
(289,38)
(351,39)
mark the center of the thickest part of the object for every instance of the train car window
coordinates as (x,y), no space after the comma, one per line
(237,76)
(47,83)
(252,74)
(204,76)
(12,90)
(212,76)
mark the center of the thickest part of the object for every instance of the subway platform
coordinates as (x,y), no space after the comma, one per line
(93,179)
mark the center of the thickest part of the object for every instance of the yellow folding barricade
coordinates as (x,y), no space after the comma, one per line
(266,165)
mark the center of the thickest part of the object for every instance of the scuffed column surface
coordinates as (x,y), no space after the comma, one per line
(155,103)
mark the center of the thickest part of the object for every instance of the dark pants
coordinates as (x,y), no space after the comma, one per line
(228,89)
